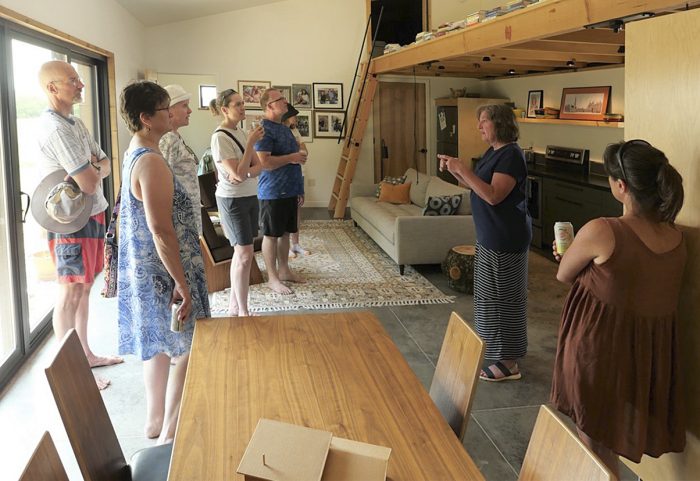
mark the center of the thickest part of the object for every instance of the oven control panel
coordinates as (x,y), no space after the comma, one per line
(567,154)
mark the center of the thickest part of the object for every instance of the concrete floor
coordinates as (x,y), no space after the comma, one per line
(502,418)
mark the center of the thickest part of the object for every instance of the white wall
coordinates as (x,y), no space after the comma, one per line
(103,23)
(302,44)
(539,135)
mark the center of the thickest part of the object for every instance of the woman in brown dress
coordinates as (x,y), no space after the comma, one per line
(617,368)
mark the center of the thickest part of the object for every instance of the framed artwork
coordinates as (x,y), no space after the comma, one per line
(285,90)
(304,122)
(584,103)
(534,101)
(207,93)
(251,117)
(301,96)
(251,91)
(328,96)
(328,124)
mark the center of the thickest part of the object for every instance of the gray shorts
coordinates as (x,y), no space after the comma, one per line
(239,218)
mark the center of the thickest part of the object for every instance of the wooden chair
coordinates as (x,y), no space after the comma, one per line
(457,373)
(89,428)
(45,464)
(556,453)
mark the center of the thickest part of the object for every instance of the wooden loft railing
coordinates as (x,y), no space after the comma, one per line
(534,40)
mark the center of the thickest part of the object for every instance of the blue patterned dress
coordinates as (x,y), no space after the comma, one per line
(144,285)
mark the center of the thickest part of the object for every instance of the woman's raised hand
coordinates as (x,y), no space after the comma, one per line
(257,133)
(557,256)
(448,163)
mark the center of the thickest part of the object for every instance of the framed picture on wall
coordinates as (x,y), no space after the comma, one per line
(285,90)
(584,103)
(534,102)
(304,122)
(207,93)
(301,96)
(251,116)
(328,96)
(328,124)
(251,91)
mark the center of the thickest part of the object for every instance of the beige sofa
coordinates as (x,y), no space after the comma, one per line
(402,231)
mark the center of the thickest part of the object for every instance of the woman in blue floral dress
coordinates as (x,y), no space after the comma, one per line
(160,261)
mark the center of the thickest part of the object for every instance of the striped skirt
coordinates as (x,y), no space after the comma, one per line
(500,302)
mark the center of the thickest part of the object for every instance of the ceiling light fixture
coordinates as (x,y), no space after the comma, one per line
(486,59)
(570,63)
(511,72)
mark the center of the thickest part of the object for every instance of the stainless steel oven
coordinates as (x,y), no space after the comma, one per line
(533,188)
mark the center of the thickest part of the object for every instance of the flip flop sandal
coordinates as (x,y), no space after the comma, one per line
(490,376)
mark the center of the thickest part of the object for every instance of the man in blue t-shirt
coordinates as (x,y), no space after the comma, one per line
(279,187)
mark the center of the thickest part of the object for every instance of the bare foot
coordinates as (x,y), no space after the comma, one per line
(233,312)
(292,254)
(152,430)
(100,361)
(279,288)
(102,382)
(291,277)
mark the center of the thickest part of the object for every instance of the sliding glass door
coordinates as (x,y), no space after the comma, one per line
(28,274)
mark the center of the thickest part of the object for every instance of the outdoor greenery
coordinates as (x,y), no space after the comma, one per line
(29,107)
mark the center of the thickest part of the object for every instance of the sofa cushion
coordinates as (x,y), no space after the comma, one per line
(389,180)
(442,205)
(395,194)
(419,183)
(438,187)
(382,215)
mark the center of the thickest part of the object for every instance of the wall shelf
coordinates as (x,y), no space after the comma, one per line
(584,123)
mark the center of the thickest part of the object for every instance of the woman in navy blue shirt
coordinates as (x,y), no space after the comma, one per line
(503,233)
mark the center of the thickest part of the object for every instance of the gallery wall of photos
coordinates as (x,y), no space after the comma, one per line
(320,105)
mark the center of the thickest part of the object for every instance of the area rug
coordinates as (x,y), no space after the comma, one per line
(345,269)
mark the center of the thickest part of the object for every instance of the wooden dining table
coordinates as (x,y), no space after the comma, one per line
(339,372)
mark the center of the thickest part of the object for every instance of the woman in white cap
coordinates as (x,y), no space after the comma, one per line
(177,153)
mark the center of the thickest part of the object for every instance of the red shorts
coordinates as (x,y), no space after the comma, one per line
(79,256)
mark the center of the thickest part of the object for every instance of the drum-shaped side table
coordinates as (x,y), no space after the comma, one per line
(458,266)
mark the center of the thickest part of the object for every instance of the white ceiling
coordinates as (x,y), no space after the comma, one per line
(160,12)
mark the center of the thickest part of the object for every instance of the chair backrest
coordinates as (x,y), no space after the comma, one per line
(556,453)
(207,190)
(457,373)
(84,415)
(44,463)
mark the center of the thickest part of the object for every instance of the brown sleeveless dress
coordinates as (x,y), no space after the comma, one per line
(617,371)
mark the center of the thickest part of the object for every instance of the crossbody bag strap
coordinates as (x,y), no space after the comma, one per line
(234,139)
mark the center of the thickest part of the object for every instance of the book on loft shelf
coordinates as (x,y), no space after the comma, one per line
(547,113)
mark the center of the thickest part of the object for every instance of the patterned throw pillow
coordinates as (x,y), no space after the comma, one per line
(389,180)
(442,205)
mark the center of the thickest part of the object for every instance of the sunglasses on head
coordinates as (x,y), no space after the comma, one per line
(620,154)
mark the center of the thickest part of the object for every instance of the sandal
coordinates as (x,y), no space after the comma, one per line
(490,375)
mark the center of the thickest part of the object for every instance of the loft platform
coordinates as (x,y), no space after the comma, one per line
(541,38)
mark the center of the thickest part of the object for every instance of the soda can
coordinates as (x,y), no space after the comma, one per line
(175,324)
(563,236)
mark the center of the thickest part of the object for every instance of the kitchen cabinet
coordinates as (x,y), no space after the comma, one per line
(575,203)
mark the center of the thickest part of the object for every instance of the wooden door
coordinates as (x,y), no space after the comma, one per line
(399,129)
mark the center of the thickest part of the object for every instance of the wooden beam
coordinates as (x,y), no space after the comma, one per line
(513,53)
(598,35)
(571,47)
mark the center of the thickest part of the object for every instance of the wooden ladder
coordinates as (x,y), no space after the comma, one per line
(361,110)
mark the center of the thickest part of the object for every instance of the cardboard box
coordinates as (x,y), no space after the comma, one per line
(280,451)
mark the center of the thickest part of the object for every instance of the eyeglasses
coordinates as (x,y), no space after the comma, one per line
(621,153)
(162,108)
(276,100)
(224,94)
(75,81)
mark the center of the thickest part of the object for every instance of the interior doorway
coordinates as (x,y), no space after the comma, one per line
(399,129)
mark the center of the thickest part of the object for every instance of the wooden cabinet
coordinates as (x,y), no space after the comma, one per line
(575,203)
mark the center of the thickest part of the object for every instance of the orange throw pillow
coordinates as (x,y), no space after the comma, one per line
(395,194)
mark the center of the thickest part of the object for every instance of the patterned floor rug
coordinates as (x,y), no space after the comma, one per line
(345,269)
